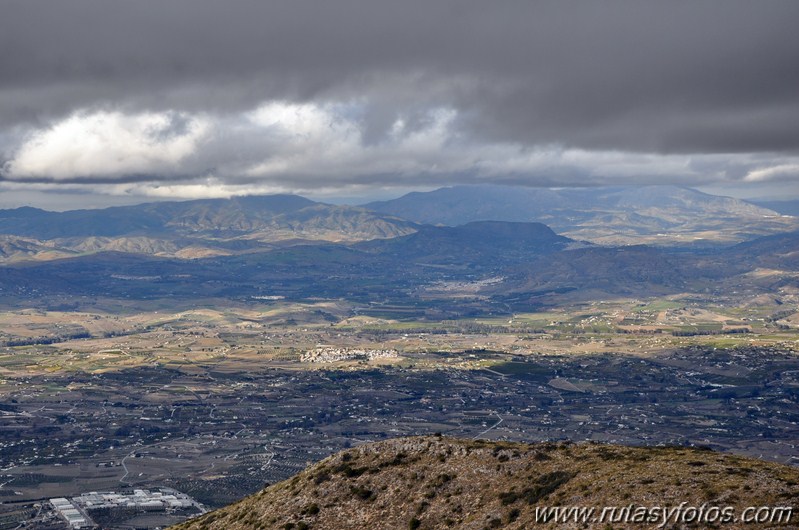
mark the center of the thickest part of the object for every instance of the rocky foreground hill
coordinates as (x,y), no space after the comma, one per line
(440,482)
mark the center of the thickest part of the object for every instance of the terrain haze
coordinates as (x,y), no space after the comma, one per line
(216,345)
(660,215)
(292,265)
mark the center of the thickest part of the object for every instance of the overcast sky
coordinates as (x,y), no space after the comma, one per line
(105,102)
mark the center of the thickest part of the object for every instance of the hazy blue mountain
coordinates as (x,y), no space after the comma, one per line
(226,216)
(480,241)
(652,214)
(213,227)
(189,228)
(527,264)
(781,207)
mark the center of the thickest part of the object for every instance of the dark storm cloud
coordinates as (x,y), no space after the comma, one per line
(635,76)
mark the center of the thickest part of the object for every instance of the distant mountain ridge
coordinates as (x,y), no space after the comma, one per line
(208,216)
(189,228)
(479,241)
(782,207)
(651,214)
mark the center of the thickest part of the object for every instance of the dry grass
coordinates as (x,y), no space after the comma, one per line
(434,482)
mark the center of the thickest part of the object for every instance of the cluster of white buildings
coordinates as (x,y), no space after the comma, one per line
(76,511)
(331,354)
(165,499)
(69,512)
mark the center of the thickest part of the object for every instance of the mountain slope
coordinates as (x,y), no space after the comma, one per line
(13,248)
(782,207)
(780,251)
(472,243)
(435,482)
(652,214)
(191,228)
(528,265)
(218,217)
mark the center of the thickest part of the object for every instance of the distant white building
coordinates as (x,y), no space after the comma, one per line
(69,512)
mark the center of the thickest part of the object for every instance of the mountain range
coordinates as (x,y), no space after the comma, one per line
(659,215)
(651,214)
(298,249)
(189,229)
